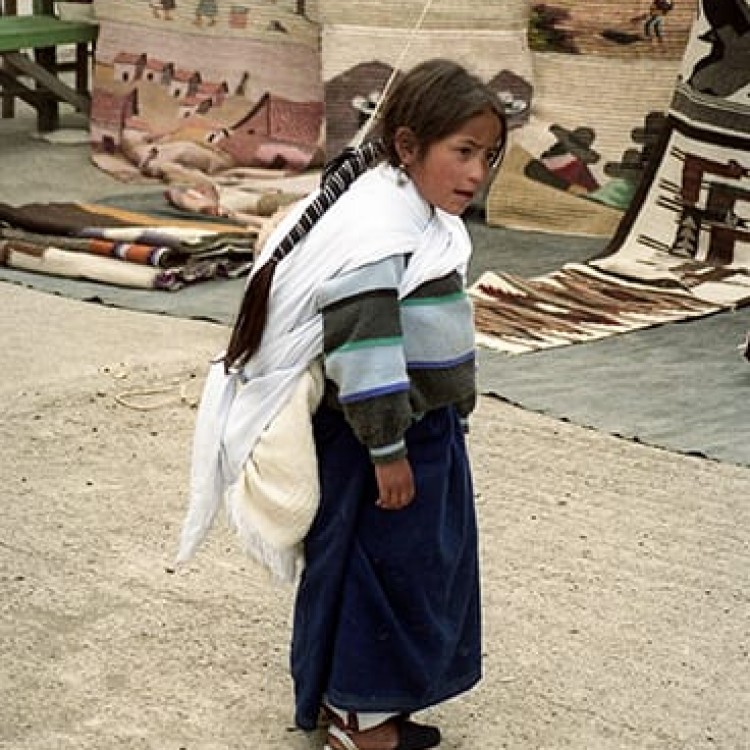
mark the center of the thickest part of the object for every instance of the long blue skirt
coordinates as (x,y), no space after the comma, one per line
(387,614)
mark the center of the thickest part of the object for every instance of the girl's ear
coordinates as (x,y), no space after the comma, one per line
(406,145)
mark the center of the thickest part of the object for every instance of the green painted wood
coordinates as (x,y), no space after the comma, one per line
(28,51)
(30,32)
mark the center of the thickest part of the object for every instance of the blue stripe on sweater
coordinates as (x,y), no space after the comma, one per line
(384,390)
(441,364)
(363,371)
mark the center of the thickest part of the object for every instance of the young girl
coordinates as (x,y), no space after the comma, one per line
(387,613)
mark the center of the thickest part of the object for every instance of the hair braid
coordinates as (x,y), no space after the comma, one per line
(338,175)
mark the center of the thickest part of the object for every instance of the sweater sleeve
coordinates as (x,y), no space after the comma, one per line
(364,355)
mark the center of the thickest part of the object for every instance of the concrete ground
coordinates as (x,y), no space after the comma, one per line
(615,575)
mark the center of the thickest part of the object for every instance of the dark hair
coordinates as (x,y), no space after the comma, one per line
(433,100)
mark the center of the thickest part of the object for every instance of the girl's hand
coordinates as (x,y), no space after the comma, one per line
(395,484)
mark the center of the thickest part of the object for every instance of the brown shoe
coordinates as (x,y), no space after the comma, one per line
(398,733)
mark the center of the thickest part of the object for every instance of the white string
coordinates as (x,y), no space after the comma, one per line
(373,118)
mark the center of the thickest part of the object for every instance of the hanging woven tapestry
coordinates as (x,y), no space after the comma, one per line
(363,42)
(188,88)
(603,78)
(682,248)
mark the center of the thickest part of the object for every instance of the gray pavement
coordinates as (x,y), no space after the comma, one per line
(615,575)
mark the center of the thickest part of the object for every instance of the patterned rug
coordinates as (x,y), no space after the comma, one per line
(682,248)
(125,248)
(572,305)
(183,89)
(365,41)
(602,79)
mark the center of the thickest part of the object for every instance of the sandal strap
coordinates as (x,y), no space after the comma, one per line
(398,733)
(339,739)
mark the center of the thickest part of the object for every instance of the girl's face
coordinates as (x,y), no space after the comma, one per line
(452,170)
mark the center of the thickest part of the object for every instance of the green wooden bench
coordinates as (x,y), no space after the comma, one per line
(29,65)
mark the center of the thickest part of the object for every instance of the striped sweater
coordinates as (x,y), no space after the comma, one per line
(387,360)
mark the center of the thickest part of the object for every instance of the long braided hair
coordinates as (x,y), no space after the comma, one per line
(433,100)
(251,320)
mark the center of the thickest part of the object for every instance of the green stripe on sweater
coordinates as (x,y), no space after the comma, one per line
(418,301)
(369,343)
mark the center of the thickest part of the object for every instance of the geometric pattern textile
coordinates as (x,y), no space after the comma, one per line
(682,249)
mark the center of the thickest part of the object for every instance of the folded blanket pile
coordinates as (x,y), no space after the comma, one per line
(125,248)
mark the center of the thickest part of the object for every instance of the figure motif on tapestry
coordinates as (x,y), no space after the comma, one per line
(629,28)
(653,28)
(625,175)
(565,165)
(163,8)
(649,136)
(206,11)
(365,106)
(549,29)
(515,93)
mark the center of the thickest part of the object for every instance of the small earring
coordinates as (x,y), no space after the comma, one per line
(403,176)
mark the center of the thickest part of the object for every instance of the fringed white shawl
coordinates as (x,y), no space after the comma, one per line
(376,218)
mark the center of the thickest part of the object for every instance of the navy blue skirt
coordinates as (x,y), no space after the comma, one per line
(387,614)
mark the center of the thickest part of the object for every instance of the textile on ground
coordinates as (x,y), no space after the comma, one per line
(121,247)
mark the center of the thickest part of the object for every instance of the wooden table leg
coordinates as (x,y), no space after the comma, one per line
(8,107)
(48,111)
(82,68)
(10,8)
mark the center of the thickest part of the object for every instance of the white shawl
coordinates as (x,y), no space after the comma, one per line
(375,219)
